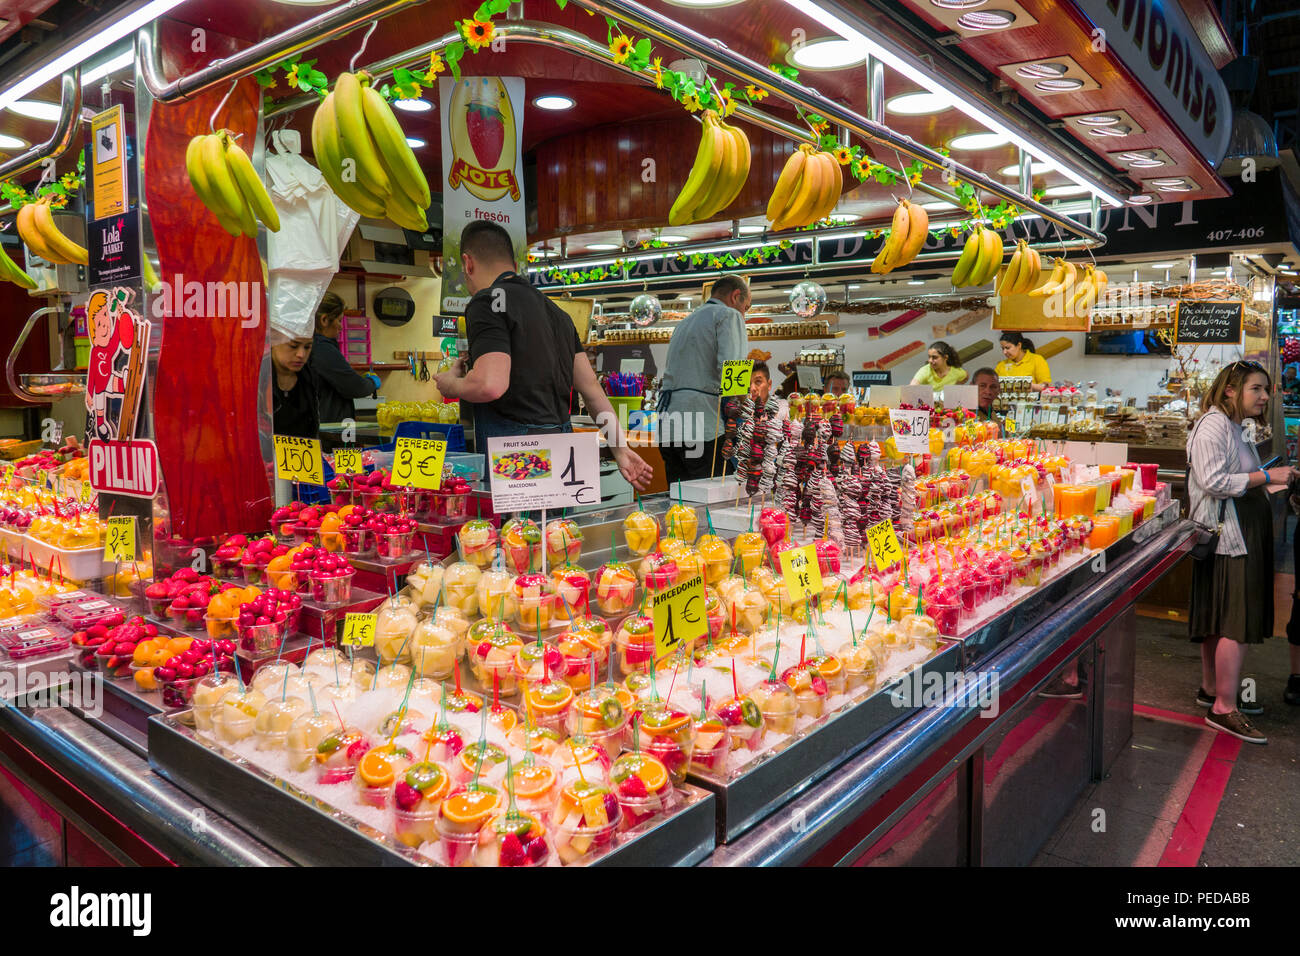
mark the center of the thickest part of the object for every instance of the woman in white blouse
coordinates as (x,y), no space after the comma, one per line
(1232,592)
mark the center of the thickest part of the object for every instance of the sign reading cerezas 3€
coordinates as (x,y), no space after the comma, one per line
(482,169)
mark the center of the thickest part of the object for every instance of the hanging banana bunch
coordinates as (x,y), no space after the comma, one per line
(1022,272)
(980,258)
(10,271)
(807,190)
(226,182)
(718,174)
(354,125)
(907,234)
(37,229)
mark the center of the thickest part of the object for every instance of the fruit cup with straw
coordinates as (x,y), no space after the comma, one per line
(642,786)
(417,798)
(712,742)
(521,545)
(640,530)
(563,541)
(741,717)
(775,700)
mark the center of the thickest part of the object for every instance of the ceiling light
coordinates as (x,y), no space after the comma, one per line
(916,282)
(855,285)
(1146,163)
(939,204)
(752,230)
(107,68)
(414,105)
(1042,71)
(1176,181)
(958,4)
(986,20)
(415,142)
(1063,85)
(12,142)
(841,217)
(978,141)
(827,54)
(918,104)
(110,34)
(1176,189)
(1035,169)
(554,102)
(1098,119)
(1117,130)
(1070,190)
(976,111)
(37,109)
(1139,200)
(1161,265)
(703,4)
(602,246)
(672,238)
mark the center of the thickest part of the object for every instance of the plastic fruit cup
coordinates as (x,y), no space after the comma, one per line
(574,843)
(534,611)
(341,497)
(635,651)
(393,544)
(303,534)
(356,540)
(141,683)
(271,728)
(263,638)
(219,628)
(637,810)
(711,746)
(537,787)
(946,615)
(205,698)
(333,588)
(229,568)
(254,573)
(777,703)
(380,501)
(158,607)
(182,620)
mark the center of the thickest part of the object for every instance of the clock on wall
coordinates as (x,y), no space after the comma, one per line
(394,306)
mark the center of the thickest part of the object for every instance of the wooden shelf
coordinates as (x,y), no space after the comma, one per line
(378,367)
(751,339)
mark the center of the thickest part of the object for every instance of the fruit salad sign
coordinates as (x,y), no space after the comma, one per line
(482,146)
(544,471)
(679,616)
(911,428)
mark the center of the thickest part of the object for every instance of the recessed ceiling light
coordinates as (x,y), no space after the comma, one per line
(855,285)
(978,141)
(917,104)
(958,4)
(916,282)
(1042,71)
(1034,168)
(1098,119)
(1063,85)
(415,142)
(1146,163)
(1161,265)
(1176,189)
(1175,181)
(554,102)
(12,142)
(1070,190)
(1139,200)
(829,54)
(704,4)
(602,246)
(37,109)
(1120,129)
(986,20)
(415,105)
(672,238)
(752,230)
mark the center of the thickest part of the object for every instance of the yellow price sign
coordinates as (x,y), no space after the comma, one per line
(735,377)
(417,462)
(359,630)
(803,576)
(298,459)
(885,549)
(9,474)
(119,542)
(86,492)
(1010,425)
(347,461)
(679,616)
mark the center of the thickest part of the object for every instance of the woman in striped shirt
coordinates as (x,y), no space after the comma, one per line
(1232,592)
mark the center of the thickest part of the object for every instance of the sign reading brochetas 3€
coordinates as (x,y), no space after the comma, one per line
(482,142)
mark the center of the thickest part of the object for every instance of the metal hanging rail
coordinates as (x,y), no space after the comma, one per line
(58,143)
(327,26)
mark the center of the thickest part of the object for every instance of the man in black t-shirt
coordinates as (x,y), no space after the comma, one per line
(525,356)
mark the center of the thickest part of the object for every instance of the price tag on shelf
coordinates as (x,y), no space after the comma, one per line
(298,459)
(119,542)
(679,616)
(803,576)
(885,549)
(735,377)
(359,630)
(9,474)
(347,461)
(417,462)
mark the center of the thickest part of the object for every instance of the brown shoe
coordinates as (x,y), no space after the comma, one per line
(1238,726)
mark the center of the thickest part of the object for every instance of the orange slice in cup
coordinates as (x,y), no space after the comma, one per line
(375,769)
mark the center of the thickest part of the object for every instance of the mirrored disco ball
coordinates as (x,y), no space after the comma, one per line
(645,309)
(807,299)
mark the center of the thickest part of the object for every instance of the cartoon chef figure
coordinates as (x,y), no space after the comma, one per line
(112,335)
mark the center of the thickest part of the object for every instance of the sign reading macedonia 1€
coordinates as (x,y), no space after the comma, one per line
(482,145)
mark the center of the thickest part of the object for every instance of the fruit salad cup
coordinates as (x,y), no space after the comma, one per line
(207,694)
(642,786)
(482,757)
(635,643)
(601,715)
(810,690)
(581,651)
(235,715)
(657,572)
(460,587)
(563,541)
(434,649)
(494,654)
(586,819)
(831,669)
(667,732)
(477,542)
(539,741)
(338,754)
(861,666)
(616,589)
(682,523)
(743,720)
(306,734)
(377,771)
(534,661)
(711,746)
(751,548)
(549,703)
(717,558)
(534,601)
(461,815)
(773,525)
(274,719)
(572,587)
(395,624)
(417,797)
(777,703)
(496,595)
(331,581)
(641,532)
(513,839)
(536,786)
(521,545)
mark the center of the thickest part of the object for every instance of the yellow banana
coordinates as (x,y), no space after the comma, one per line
(65,249)
(325,145)
(1053,281)
(1029,278)
(14,273)
(832,186)
(986,267)
(1009,278)
(891,252)
(721,182)
(708,159)
(221,182)
(394,151)
(1085,298)
(354,136)
(918,230)
(403,211)
(742,170)
(203,189)
(787,182)
(249,183)
(804,202)
(27,232)
(966,262)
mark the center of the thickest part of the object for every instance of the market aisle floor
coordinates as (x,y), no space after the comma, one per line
(1182,795)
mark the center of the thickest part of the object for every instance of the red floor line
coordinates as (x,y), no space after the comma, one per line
(1171,716)
(1194,823)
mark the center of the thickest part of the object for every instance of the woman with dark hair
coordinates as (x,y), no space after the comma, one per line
(337,382)
(943,367)
(1021,361)
(1232,590)
(293,392)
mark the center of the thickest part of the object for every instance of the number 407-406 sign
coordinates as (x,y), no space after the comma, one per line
(530,472)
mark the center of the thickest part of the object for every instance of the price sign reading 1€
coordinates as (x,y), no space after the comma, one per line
(882,541)
(1010,425)
(119,542)
(803,576)
(417,462)
(679,616)
(359,630)
(347,461)
(298,459)
(735,377)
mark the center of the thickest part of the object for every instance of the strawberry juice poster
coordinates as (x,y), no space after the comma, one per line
(482,141)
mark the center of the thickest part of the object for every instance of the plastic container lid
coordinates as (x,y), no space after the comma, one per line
(85,613)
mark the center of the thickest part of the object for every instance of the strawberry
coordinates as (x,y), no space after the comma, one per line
(405,796)
(512,851)
(536,849)
(633,787)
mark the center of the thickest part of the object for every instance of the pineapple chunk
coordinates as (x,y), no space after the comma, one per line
(593,808)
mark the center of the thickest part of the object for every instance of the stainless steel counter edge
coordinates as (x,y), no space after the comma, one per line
(793,833)
(124,785)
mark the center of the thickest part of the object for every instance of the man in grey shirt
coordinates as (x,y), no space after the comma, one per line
(689,426)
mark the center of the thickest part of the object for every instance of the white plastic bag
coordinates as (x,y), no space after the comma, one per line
(314,228)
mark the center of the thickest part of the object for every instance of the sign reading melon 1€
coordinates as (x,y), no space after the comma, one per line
(359,630)
(679,616)
(482,169)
